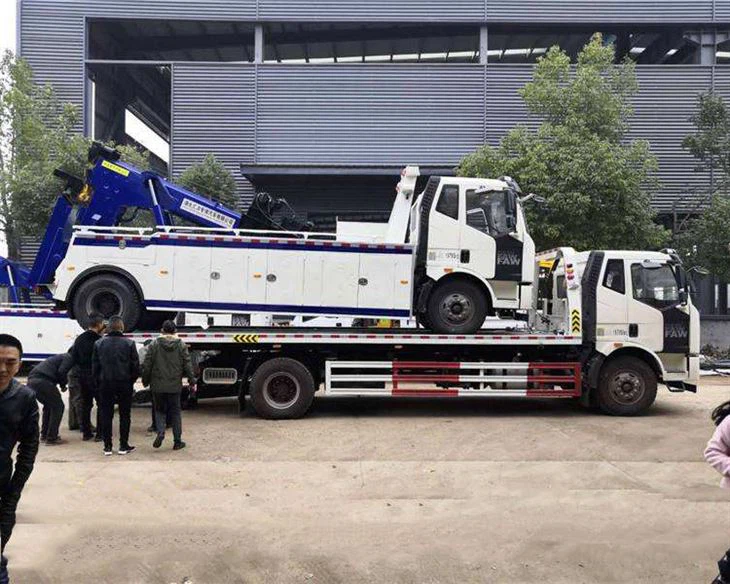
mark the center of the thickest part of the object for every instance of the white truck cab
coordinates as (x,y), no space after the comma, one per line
(474,254)
(629,304)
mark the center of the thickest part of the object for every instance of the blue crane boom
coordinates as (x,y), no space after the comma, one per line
(112,189)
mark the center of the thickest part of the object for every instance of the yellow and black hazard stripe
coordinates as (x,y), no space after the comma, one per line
(575,321)
(246,338)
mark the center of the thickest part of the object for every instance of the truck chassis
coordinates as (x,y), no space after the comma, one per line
(281,370)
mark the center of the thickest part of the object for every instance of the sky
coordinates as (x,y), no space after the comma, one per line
(7,24)
(7,41)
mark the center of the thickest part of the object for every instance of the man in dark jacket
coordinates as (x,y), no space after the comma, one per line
(43,380)
(82,353)
(18,426)
(166,362)
(115,366)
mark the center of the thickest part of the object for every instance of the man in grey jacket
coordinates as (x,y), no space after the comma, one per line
(166,362)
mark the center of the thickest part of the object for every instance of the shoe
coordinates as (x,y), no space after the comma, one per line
(108,452)
(98,438)
(151,429)
(179,445)
(55,441)
(92,429)
(125,450)
(44,437)
(158,441)
(87,437)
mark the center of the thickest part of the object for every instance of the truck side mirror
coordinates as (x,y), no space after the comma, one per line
(683,283)
(683,297)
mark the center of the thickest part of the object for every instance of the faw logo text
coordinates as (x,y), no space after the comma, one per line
(508,258)
(676,331)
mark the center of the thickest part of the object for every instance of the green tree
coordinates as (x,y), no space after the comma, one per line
(37,135)
(597,183)
(212,179)
(706,240)
(28,142)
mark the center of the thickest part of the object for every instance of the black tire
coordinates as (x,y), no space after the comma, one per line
(422,320)
(457,306)
(627,387)
(281,388)
(110,295)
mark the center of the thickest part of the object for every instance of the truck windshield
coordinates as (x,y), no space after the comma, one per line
(491,212)
(654,286)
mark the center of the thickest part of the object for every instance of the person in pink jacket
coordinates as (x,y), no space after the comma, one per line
(717,454)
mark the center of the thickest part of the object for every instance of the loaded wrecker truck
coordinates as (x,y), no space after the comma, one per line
(605,327)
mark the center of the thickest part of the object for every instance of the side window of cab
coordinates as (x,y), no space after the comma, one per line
(614,278)
(448,203)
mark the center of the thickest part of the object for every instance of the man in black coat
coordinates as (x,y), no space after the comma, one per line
(18,426)
(115,366)
(43,380)
(82,353)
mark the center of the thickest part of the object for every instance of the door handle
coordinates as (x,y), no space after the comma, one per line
(465,256)
(633,330)
(271,278)
(215,276)
(363,281)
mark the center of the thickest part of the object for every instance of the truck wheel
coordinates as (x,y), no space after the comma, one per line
(627,387)
(109,295)
(457,306)
(422,320)
(281,388)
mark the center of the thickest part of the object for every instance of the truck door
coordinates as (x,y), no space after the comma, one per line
(655,316)
(611,303)
(487,235)
(444,227)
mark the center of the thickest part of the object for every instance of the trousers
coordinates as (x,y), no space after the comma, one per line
(110,394)
(74,402)
(8,504)
(89,395)
(48,395)
(167,407)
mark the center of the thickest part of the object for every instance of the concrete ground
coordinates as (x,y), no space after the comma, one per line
(386,491)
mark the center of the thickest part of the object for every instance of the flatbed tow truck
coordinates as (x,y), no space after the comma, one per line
(604,327)
(579,346)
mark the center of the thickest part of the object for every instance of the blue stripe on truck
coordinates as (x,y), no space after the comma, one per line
(245,245)
(282,308)
(26,314)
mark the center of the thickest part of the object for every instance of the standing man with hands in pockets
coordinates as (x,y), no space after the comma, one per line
(115,367)
(166,362)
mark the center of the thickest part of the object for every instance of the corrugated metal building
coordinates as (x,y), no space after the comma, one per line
(323,101)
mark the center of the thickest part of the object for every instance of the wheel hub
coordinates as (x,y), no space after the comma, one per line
(627,387)
(281,390)
(106,302)
(457,308)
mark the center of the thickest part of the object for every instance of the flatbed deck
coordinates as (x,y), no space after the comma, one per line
(351,336)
